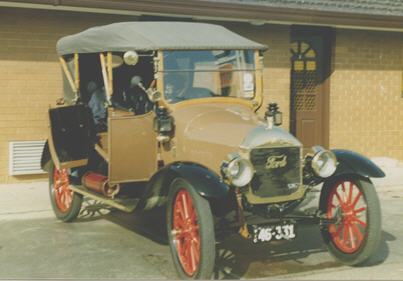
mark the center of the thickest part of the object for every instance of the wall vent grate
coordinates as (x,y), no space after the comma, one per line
(25,157)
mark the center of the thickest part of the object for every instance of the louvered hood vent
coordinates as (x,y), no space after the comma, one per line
(25,157)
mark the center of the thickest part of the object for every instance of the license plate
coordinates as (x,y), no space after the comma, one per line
(273,232)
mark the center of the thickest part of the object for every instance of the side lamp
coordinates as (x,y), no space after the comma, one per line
(163,124)
(273,115)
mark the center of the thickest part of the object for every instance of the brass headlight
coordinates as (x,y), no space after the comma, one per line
(238,171)
(324,162)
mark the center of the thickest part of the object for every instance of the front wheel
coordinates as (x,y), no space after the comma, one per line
(66,204)
(190,231)
(354,205)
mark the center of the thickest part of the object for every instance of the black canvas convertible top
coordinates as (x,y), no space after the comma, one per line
(142,36)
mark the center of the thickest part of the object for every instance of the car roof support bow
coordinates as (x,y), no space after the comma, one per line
(106,66)
(74,82)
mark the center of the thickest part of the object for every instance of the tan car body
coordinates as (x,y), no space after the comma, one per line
(202,151)
(207,130)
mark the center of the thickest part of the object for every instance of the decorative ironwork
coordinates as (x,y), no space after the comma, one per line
(304,76)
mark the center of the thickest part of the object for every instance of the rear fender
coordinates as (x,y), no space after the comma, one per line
(46,158)
(207,183)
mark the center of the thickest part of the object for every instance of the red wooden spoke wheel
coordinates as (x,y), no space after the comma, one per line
(190,229)
(66,204)
(62,193)
(346,203)
(185,230)
(352,204)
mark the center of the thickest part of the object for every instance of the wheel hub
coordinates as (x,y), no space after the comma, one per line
(185,232)
(61,191)
(349,230)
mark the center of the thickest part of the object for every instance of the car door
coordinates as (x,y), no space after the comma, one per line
(71,135)
(132,146)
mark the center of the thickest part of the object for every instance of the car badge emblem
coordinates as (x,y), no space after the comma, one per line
(275,162)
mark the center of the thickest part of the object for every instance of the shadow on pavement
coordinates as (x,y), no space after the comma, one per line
(240,258)
(150,224)
(92,210)
(237,257)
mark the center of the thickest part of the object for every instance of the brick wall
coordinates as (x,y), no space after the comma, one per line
(276,83)
(366,106)
(30,76)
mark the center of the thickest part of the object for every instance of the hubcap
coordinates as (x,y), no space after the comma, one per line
(185,232)
(348,206)
(61,191)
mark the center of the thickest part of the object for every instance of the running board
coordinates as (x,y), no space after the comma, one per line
(125,205)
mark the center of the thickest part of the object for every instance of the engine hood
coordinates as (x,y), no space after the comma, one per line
(262,135)
(207,133)
(221,125)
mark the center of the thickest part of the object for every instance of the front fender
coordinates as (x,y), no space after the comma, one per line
(353,163)
(206,182)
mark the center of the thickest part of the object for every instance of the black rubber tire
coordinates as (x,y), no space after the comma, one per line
(206,231)
(76,203)
(372,237)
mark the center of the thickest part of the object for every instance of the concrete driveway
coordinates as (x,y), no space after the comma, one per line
(112,244)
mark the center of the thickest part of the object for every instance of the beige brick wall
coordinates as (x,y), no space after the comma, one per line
(277,64)
(30,76)
(366,106)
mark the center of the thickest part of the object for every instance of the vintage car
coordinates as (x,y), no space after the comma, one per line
(173,106)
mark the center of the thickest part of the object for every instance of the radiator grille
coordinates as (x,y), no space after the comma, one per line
(284,175)
(25,157)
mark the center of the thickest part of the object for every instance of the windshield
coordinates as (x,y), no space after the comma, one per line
(204,74)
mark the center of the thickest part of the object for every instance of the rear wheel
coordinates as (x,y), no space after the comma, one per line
(190,231)
(356,233)
(66,204)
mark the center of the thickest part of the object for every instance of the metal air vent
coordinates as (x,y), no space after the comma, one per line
(25,157)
